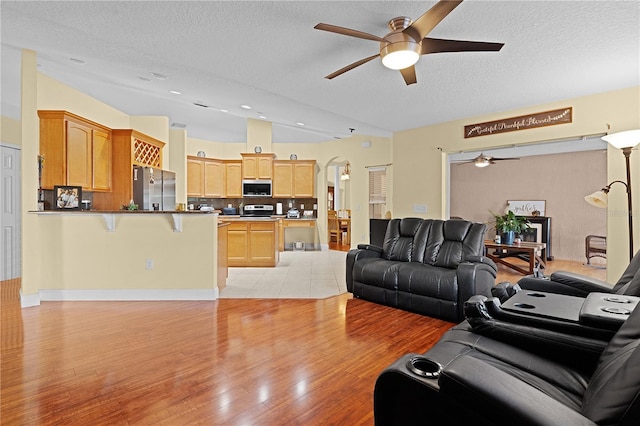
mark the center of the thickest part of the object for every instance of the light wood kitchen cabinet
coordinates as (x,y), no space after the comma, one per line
(214,178)
(210,177)
(293,178)
(76,151)
(252,243)
(102,160)
(233,178)
(129,148)
(195,177)
(257,166)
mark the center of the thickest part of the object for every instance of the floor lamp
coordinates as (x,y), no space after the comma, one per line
(624,141)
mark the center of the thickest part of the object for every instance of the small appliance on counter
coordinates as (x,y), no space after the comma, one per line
(229,210)
(293,213)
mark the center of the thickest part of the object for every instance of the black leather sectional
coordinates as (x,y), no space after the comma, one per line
(425,266)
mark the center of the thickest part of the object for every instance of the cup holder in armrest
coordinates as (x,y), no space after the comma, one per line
(616,310)
(524,306)
(424,367)
(617,299)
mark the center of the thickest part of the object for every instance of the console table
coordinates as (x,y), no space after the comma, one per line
(534,251)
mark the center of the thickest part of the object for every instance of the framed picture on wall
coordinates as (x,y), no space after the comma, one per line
(527,207)
(67,197)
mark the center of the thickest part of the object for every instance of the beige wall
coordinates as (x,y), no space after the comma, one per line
(10,131)
(561,180)
(419,157)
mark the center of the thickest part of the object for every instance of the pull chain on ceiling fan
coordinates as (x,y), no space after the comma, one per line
(402,47)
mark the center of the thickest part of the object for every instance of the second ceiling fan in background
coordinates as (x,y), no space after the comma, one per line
(402,47)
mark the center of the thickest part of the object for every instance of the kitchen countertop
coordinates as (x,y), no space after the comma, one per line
(78,211)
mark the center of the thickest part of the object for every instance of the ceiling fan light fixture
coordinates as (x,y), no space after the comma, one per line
(400,55)
(481,163)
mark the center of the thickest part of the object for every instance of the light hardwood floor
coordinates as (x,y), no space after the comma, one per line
(227,362)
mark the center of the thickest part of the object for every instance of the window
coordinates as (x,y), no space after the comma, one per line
(377,192)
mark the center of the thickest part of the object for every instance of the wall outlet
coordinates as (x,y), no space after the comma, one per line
(315,207)
(419,208)
(290,204)
(301,206)
(149,264)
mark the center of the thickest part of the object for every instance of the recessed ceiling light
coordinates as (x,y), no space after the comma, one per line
(175,92)
(77,61)
(300,124)
(159,76)
(245,106)
(262,116)
(224,110)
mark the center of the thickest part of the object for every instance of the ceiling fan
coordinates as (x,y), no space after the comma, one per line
(402,47)
(485,160)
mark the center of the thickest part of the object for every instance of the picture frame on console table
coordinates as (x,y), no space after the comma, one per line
(67,197)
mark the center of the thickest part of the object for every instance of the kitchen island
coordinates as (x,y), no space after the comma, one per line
(252,241)
(121,255)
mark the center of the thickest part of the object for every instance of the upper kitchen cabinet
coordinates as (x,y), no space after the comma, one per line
(257,166)
(294,178)
(233,178)
(76,151)
(205,177)
(129,148)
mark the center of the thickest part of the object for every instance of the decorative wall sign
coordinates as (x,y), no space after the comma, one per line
(527,207)
(530,121)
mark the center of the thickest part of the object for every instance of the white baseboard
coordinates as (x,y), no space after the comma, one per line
(116,295)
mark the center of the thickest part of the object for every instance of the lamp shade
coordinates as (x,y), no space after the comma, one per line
(598,199)
(620,140)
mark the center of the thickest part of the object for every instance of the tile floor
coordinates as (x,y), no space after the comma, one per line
(298,275)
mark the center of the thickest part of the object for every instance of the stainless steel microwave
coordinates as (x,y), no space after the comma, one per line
(256,188)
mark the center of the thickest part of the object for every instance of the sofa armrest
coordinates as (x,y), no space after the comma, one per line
(474,278)
(483,259)
(370,247)
(363,251)
(564,282)
(502,397)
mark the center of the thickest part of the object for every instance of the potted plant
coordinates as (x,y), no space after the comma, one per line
(510,224)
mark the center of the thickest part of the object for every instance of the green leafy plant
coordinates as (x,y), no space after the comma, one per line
(510,222)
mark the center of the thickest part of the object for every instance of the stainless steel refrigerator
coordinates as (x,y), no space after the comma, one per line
(154,189)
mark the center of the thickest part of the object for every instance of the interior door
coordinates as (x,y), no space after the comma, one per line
(10,260)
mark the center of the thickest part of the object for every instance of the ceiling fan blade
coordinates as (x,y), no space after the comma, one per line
(503,159)
(438,45)
(432,17)
(351,66)
(347,31)
(409,75)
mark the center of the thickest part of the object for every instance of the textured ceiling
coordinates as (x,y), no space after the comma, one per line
(266,54)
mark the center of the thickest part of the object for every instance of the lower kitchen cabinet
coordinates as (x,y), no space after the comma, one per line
(253,243)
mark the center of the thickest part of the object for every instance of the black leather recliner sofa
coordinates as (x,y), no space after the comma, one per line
(520,375)
(425,266)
